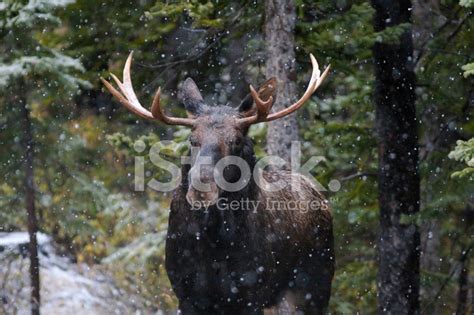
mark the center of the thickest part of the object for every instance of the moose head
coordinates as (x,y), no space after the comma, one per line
(217,131)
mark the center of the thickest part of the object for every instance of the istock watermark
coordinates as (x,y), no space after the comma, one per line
(245,204)
(208,174)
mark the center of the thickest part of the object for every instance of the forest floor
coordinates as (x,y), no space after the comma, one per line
(66,287)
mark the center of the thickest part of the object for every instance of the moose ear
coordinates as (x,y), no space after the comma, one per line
(190,96)
(267,89)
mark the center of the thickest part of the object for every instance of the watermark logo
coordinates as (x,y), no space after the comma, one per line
(246,204)
(206,173)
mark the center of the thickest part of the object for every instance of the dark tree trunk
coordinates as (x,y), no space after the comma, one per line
(398,179)
(280,16)
(463,285)
(30,207)
(426,22)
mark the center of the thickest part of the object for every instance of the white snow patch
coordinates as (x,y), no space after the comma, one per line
(66,288)
(14,239)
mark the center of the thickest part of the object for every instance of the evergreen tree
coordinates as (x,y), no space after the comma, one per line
(28,71)
(398,280)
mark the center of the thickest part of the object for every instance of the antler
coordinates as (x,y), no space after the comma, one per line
(263,107)
(129,99)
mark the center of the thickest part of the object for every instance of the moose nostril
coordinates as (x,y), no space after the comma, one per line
(206,179)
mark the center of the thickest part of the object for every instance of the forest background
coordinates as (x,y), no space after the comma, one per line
(53,53)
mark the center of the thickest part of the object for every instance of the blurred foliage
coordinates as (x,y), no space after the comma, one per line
(464,152)
(86,144)
(468,69)
(467,3)
(201,12)
(24,55)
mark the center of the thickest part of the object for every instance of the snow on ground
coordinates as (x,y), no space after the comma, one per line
(15,239)
(66,288)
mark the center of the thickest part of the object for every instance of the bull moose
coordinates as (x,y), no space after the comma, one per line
(240,261)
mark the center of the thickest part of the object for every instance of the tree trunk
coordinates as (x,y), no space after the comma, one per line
(30,207)
(430,260)
(398,179)
(426,22)
(463,285)
(280,16)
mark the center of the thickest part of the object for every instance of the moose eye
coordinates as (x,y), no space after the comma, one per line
(194,142)
(236,143)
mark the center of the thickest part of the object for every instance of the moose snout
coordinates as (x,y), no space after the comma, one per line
(203,190)
(198,198)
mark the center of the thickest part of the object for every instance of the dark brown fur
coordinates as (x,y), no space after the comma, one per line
(242,261)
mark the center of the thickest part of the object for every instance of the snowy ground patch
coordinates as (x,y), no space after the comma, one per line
(66,288)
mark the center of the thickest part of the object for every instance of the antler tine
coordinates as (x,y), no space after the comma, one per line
(314,83)
(322,77)
(158,113)
(140,111)
(129,99)
(155,106)
(263,107)
(127,82)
